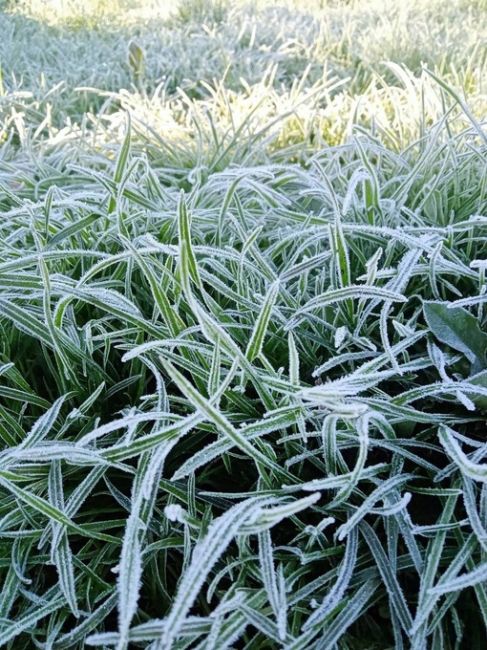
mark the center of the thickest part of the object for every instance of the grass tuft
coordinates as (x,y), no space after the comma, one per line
(243,371)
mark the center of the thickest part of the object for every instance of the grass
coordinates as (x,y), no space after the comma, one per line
(243,371)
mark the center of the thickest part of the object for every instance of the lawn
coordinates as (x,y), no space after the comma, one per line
(243,324)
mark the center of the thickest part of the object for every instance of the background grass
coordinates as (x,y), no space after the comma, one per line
(242,326)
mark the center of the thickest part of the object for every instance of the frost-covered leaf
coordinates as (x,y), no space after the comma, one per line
(459,329)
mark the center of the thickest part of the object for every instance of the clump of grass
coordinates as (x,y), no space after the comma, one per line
(251,411)
(243,373)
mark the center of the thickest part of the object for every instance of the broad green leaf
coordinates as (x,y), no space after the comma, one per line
(459,329)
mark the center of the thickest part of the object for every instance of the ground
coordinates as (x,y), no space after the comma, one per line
(243,374)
